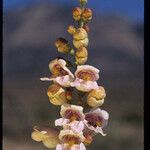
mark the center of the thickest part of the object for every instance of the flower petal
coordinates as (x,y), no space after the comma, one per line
(51,142)
(61,122)
(36,136)
(49,136)
(102,113)
(105,114)
(87,86)
(75,147)
(64,81)
(77,126)
(59,147)
(62,63)
(76,82)
(90,68)
(65,107)
(67,132)
(78,147)
(100,130)
(82,147)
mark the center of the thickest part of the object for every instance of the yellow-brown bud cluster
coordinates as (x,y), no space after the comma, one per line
(80,42)
(62,45)
(96,97)
(82,14)
(80,34)
(81,55)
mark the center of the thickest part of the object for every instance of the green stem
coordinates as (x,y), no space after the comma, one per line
(81,21)
(81,24)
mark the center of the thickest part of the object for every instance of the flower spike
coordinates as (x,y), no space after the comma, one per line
(74,88)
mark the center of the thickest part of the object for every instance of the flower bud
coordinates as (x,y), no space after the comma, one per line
(81,55)
(80,34)
(87,14)
(62,45)
(56,94)
(81,43)
(71,29)
(77,12)
(83,2)
(68,95)
(96,97)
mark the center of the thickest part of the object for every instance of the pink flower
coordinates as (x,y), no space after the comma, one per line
(86,77)
(60,73)
(72,118)
(96,119)
(71,140)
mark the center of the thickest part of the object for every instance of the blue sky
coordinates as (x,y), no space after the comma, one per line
(133,9)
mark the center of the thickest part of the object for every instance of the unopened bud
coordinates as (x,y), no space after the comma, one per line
(68,95)
(87,14)
(80,34)
(62,45)
(83,2)
(56,94)
(81,55)
(71,29)
(81,43)
(96,97)
(77,12)
(72,52)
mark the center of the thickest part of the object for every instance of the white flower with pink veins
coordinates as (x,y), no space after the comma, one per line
(96,119)
(70,140)
(60,73)
(72,118)
(86,77)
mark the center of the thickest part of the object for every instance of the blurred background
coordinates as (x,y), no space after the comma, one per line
(30,28)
